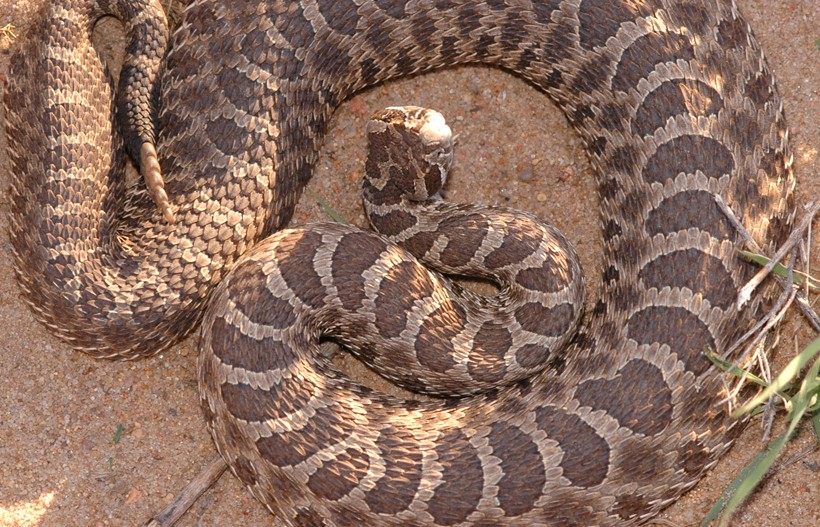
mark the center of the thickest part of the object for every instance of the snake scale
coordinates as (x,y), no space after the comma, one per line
(675,105)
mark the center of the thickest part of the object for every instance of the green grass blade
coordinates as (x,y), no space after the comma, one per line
(749,477)
(734,370)
(816,422)
(752,470)
(335,216)
(780,270)
(785,377)
(118,433)
(805,400)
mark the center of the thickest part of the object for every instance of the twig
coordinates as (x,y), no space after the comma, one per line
(190,494)
(739,227)
(805,225)
(7,31)
(794,238)
(772,317)
(783,302)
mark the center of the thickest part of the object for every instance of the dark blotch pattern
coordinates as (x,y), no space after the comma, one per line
(676,97)
(594,75)
(241,351)
(424,25)
(640,59)
(330,425)
(354,253)
(338,476)
(465,235)
(394,491)
(612,229)
(628,506)
(531,356)
(227,136)
(401,286)
(244,470)
(286,449)
(640,461)
(463,478)
(597,145)
(294,27)
(420,243)
(600,21)
(392,8)
(586,454)
(611,274)
(490,344)
(693,456)
(638,397)
(341,15)
(434,345)
(251,296)
(687,154)
(684,210)
(676,327)
(515,246)
(296,266)
(253,404)
(370,71)
(393,223)
(309,518)
(773,163)
(623,160)
(732,33)
(524,474)
(759,89)
(544,10)
(747,132)
(546,321)
(548,278)
(701,273)
(611,116)
(696,18)
(581,114)
(626,298)
(243,92)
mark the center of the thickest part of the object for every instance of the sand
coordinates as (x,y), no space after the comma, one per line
(63,461)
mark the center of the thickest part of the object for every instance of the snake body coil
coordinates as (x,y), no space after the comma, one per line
(675,105)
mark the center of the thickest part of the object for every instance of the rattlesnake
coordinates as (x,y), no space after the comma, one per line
(675,105)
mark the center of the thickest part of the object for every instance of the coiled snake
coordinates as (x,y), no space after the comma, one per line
(675,105)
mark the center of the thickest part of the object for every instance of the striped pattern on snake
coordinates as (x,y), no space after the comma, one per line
(675,105)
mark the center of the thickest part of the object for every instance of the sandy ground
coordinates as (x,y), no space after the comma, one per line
(62,460)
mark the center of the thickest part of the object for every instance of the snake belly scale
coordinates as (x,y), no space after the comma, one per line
(675,105)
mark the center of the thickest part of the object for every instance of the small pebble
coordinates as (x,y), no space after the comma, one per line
(525,173)
(567,173)
(134,496)
(541,197)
